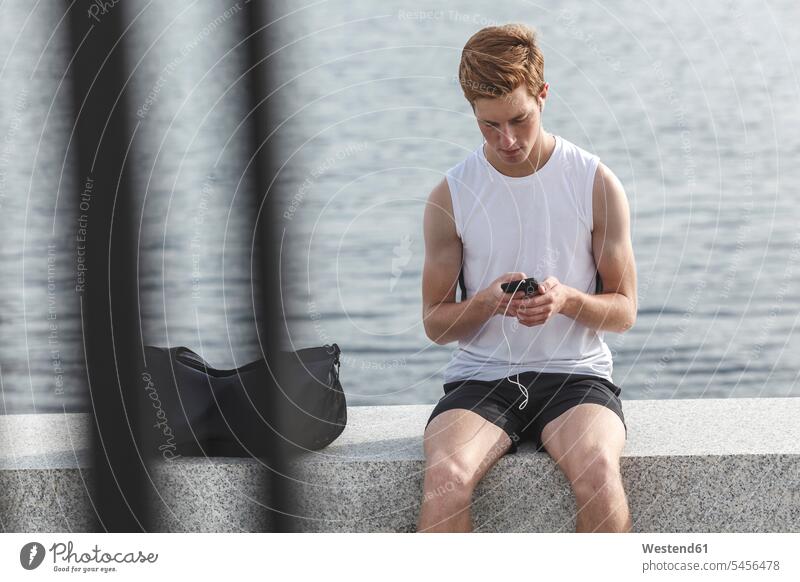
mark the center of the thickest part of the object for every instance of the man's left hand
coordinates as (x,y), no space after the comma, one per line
(538,309)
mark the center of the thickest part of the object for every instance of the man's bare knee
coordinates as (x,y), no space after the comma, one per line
(460,447)
(447,476)
(596,472)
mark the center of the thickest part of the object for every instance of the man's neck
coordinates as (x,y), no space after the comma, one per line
(540,154)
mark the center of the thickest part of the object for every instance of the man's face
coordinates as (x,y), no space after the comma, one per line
(511,124)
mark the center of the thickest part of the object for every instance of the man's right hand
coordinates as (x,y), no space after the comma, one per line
(497,300)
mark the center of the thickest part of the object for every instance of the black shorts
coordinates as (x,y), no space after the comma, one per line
(549,395)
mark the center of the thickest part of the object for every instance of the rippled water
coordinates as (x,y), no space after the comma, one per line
(694,107)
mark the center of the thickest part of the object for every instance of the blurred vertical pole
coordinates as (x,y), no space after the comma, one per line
(109,307)
(265,116)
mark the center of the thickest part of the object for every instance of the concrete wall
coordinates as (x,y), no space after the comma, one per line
(705,465)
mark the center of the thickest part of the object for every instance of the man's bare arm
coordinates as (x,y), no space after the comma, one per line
(444,319)
(615,308)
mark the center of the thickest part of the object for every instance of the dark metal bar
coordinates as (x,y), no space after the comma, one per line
(107,268)
(264,118)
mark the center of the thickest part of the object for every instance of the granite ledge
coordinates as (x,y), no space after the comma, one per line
(688,465)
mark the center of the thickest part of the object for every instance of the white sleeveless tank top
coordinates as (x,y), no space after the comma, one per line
(541,225)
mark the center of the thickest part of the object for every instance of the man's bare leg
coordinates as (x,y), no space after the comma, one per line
(586,442)
(460,448)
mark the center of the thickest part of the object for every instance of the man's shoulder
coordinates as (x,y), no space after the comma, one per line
(466,161)
(467,170)
(578,165)
(573,152)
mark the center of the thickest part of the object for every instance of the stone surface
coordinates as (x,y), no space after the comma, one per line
(705,465)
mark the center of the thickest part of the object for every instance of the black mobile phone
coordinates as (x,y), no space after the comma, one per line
(530,286)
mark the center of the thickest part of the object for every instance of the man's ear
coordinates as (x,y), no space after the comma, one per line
(540,98)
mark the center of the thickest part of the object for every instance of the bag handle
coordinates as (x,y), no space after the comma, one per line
(186,356)
(335,351)
(189,358)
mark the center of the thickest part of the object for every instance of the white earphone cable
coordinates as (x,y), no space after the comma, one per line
(521,387)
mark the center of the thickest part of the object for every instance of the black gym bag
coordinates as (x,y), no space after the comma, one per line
(197,410)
